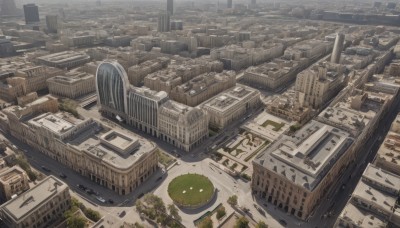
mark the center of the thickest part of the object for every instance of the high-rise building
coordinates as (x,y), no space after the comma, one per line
(229,4)
(8,8)
(31,12)
(170,7)
(148,110)
(337,48)
(164,22)
(52,23)
(112,85)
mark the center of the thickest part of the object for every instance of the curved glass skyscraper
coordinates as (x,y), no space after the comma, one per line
(112,83)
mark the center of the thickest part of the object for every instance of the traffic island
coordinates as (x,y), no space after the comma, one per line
(191,191)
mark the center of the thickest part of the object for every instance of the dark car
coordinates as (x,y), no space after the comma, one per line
(90,191)
(123,213)
(158,179)
(62,175)
(111,201)
(81,187)
(45,168)
(282,222)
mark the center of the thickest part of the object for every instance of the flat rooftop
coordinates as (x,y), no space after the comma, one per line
(230,98)
(307,156)
(122,149)
(382,177)
(343,116)
(378,198)
(37,196)
(58,123)
(64,56)
(361,217)
(71,78)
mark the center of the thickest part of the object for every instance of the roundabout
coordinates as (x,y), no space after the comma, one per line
(191,190)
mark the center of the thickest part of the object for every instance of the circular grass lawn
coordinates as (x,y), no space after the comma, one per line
(191,190)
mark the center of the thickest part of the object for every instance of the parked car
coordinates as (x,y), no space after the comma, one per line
(101,199)
(45,168)
(81,187)
(62,175)
(111,201)
(283,222)
(90,191)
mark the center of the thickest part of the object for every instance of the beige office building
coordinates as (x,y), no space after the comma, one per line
(273,74)
(296,171)
(374,202)
(230,105)
(72,85)
(203,87)
(182,126)
(388,156)
(113,158)
(137,73)
(35,77)
(13,181)
(40,207)
(317,85)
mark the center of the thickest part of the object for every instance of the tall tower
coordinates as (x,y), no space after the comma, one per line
(31,12)
(170,7)
(338,48)
(8,8)
(229,4)
(52,23)
(164,22)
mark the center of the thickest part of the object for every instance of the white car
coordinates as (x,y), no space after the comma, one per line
(101,199)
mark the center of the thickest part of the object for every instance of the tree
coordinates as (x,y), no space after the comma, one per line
(206,223)
(76,222)
(154,208)
(261,224)
(242,222)
(221,212)
(92,215)
(173,211)
(233,200)
(137,225)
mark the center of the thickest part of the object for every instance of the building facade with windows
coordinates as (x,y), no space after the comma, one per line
(41,206)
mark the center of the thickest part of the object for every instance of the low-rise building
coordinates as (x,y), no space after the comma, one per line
(180,72)
(137,73)
(113,158)
(273,74)
(72,85)
(230,105)
(374,202)
(64,60)
(286,107)
(35,77)
(41,206)
(13,181)
(203,87)
(296,171)
(388,156)
(358,114)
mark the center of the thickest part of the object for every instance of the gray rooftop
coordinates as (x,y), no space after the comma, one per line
(307,156)
(28,202)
